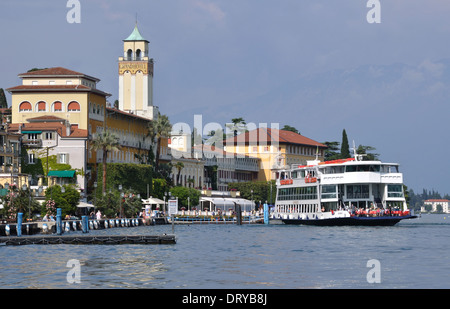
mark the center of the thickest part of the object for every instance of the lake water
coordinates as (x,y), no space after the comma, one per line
(412,254)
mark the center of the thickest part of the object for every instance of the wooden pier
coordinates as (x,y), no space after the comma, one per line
(88,240)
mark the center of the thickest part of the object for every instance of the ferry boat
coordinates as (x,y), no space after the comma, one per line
(341,192)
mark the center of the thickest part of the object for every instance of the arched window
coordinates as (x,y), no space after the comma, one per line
(73,107)
(138,54)
(57,106)
(41,106)
(25,107)
(129,54)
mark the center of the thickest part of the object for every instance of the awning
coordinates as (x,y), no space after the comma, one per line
(30,132)
(61,174)
(84,205)
(152,201)
(218,201)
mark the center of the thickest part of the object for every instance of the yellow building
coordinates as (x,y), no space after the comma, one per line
(275,148)
(136,77)
(71,99)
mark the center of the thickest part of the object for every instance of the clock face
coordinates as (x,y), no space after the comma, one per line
(135,66)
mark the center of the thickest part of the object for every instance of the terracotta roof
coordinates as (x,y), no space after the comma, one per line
(127,114)
(57,71)
(268,135)
(31,88)
(437,200)
(45,118)
(59,127)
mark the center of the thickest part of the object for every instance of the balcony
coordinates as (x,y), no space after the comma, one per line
(32,143)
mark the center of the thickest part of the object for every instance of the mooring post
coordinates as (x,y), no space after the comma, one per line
(84,224)
(58,221)
(266,213)
(238,214)
(19,224)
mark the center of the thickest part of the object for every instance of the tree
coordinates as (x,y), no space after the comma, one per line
(289,128)
(183,193)
(107,142)
(3,102)
(55,198)
(332,151)
(345,149)
(237,125)
(364,150)
(158,129)
(179,166)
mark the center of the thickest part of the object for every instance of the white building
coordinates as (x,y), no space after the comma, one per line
(435,202)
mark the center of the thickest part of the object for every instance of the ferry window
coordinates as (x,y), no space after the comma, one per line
(357,191)
(329,191)
(395,191)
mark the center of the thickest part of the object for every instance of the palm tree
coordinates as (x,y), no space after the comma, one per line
(179,166)
(107,142)
(159,128)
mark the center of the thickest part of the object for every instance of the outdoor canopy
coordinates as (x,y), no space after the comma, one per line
(61,174)
(225,203)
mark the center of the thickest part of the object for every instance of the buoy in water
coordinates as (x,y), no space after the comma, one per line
(67,227)
(106,224)
(7,230)
(44,228)
(74,225)
(95,225)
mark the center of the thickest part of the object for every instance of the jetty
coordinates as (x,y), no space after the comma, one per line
(88,240)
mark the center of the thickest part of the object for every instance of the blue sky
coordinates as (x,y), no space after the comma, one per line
(316,65)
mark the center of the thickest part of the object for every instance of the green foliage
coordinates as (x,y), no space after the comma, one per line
(345,148)
(332,152)
(18,200)
(183,193)
(290,128)
(67,200)
(109,204)
(258,191)
(134,176)
(3,102)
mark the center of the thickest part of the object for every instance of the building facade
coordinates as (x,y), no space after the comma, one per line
(136,77)
(276,149)
(443,203)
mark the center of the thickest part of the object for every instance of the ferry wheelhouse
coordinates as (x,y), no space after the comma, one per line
(341,192)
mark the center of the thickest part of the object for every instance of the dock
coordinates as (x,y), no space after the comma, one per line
(88,240)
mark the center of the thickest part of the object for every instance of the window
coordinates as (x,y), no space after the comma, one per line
(73,107)
(52,82)
(25,107)
(68,82)
(63,158)
(357,191)
(32,136)
(395,191)
(41,106)
(57,106)
(34,83)
(31,158)
(48,135)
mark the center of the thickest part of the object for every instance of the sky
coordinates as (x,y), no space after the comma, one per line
(316,65)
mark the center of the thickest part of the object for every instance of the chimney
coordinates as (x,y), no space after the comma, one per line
(67,128)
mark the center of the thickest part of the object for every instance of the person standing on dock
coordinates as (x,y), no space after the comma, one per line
(99,215)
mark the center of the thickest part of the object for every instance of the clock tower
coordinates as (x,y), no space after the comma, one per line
(136,77)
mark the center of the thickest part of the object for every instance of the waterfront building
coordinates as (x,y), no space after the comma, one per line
(434,205)
(60,111)
(276,149)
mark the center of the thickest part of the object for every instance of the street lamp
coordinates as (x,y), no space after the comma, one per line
(121,196)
